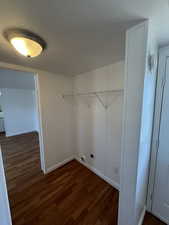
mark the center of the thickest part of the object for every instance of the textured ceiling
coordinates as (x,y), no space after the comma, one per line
(81,34)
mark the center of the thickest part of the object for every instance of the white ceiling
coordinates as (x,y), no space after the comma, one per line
(16,79)
(81,34)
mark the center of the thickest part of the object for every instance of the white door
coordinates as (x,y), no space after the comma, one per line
(160,204)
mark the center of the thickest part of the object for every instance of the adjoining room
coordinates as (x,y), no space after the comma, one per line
(19,134)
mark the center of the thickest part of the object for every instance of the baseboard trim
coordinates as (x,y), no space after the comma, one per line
(98,173)
(19,133)
(142,216)
(94,170)
(159,217)
(57,165)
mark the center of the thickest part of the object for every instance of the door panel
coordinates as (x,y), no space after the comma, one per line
(160,206)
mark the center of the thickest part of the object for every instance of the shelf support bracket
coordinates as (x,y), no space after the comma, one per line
(100,100)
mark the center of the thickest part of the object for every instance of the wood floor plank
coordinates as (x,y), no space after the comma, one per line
(70,195)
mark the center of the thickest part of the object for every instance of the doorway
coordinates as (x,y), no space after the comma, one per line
(20,134)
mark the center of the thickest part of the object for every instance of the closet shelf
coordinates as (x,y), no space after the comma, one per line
(96,94)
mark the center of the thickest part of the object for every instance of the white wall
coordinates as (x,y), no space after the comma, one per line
(15,79)
(146,131)
(98,130)
(19,107)
(57,123)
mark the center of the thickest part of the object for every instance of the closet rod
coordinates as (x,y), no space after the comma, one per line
(94,93)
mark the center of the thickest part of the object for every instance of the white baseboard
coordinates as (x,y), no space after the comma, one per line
(142,216)
(8,134)
(159,217)
(98,173)
(94,170)
(56,166)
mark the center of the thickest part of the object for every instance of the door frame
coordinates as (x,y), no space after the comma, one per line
(163,54)
(39,113)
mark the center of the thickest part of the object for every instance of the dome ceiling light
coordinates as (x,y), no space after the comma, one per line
(25,42)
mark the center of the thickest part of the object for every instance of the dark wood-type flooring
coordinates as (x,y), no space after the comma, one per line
(152,220)
(70,195)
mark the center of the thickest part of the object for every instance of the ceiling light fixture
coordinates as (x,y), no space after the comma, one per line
(25,42)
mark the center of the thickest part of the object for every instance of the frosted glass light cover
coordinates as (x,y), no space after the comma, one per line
(26,46)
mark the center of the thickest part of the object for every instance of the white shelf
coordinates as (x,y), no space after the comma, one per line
(93,93)
(96,94)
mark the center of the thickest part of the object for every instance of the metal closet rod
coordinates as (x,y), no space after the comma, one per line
(93,93)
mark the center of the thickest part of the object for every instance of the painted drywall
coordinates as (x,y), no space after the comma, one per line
(5,216)
(98,130)
(56,118)
(19,108)
(146,130)
(15,79)
(135,64)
